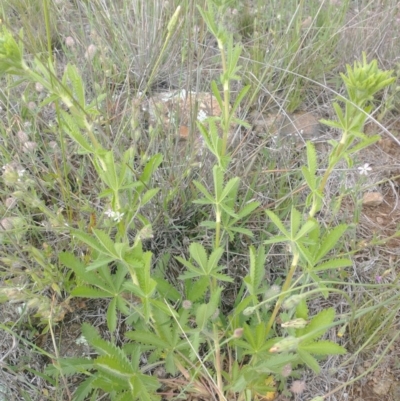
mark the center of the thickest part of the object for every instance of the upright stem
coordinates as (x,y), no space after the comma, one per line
(285,287)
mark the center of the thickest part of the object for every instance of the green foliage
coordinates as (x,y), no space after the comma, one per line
(115,371)
(186,327)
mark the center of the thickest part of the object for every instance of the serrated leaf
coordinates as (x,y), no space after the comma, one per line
(84,389)
(147,338)
(150,167)
(106,242)
(276,220)
(230,186)
(323,348)
(310,179)
(78,88)
(114,366)
(218,175)
(89,240)
(242,230)
(214,259)
(72,129)
(228,210)
(240,97)
(204,191)
(276,239)
(247,209)
(309,360)
(330,239)
(112,315)
(90,292)
(311,158)
(198,289)
(198,253)
(215,91)
(257,270)
(305,253)
(295,221)
(319,324)
(333,264)
(148,195)
(308,226)
(203,314)
(302,309)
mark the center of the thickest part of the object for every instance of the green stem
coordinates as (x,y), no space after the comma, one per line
(225,116)
(285,287)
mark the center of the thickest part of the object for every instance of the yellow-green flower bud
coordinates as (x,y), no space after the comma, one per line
(287,344)
(295,323)
(248,311)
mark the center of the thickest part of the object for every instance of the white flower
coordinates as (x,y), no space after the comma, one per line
(364,169)
(201,115)
(109,213)
(116,216)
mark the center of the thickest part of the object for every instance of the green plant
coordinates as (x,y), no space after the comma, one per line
(243,350)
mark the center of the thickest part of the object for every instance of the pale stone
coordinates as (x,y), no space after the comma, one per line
(372,199)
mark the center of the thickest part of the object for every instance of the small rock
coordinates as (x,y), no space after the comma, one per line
(372,199)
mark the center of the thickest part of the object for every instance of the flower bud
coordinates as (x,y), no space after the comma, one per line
(287,344)
(238,333)
(293,301)
(248,311)
(295,323)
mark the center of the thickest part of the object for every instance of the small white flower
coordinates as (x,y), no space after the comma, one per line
(201,115)
(109,213)
(364,169)
(118,216)
(21,173)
